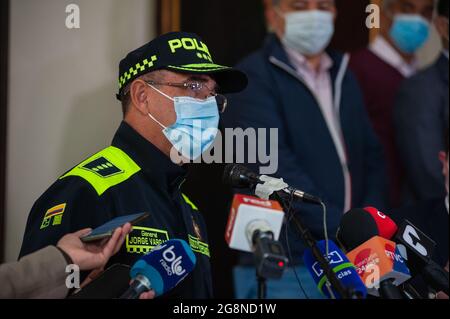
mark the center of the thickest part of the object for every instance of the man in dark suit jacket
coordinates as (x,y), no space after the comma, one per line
(421,115)
(432,217)
(326,144)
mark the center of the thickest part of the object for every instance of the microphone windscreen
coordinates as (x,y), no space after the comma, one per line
(344,269)
(166,265)
(386,226)
(355,228)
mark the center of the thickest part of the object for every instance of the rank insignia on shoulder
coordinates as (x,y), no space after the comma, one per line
(54,214)
(102,167)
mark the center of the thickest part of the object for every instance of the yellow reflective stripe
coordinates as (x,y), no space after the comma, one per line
(188,201)
(198,246)
(139,67)
(204,65)
(125,165)
(199,67)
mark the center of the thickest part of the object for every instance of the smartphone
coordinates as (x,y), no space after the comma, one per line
(106,230)
(112,283)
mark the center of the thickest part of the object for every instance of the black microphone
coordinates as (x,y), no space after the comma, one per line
(356,233)
(358,225)
(419,252)
(239,176)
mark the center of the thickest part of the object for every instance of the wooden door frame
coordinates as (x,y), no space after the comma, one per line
(169,16)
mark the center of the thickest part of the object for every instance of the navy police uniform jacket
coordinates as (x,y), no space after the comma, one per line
(130,176)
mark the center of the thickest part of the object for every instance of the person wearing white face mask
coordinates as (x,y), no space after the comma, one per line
(383,66)
(326,144)
(421,113)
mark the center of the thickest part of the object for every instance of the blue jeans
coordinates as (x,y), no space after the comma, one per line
(246,285)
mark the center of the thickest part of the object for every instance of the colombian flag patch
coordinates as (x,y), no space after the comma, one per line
(54,214)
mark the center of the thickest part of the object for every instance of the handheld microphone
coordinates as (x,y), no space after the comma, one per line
(254,225)
(386,226)
(358,233)
(381,267)
(360,224)
(419,250)
(161,269)
(344,269)
(239,176)
(355,228)
(415,247)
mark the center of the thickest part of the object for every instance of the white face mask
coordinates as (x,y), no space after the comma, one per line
(308,32)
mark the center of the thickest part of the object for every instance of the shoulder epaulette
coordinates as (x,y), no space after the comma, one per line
(107,168)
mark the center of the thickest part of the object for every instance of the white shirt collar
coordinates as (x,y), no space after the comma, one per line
(381,48)
(445,52)
(299,61)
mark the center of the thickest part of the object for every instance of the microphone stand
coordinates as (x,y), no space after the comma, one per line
(312,244)
(262,287)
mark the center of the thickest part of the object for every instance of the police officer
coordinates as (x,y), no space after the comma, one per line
(168,89)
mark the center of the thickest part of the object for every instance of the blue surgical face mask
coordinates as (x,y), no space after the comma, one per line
(308,32)
(196,126)
(409,32)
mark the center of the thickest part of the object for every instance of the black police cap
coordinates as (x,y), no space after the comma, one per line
(180,52)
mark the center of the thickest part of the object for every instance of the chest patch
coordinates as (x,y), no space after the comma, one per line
(53,216)
(198,246)
(143,239)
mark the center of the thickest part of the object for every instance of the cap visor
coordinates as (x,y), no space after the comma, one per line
(230,80)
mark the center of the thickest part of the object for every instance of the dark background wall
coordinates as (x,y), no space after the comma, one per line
(232,29)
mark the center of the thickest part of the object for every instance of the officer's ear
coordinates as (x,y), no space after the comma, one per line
(139,96)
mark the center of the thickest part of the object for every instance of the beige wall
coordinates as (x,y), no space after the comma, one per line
(62,86)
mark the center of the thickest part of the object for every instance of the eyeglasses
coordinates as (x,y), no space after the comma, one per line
(196,87)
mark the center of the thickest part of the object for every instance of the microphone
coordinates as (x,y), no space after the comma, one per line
(344,269)
(416,247)
(381,267)
(386,226)
(355,228)
(161,269)
(254,225)
(419,250)
(357,233)
(239,176)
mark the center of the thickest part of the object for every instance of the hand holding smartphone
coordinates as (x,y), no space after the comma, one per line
(106,230)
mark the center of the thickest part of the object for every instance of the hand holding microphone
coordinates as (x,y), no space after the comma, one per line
(160,270)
